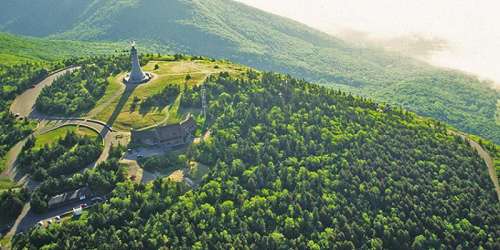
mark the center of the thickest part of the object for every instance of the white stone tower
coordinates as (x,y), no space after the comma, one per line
(136,75)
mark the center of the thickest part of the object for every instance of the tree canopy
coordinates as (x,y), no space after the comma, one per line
(298,166)
(77,92)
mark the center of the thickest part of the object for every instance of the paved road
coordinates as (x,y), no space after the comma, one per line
(23,104)
(28,218)
(109,139)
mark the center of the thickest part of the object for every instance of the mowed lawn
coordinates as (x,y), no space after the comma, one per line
(116,107)
(54,135)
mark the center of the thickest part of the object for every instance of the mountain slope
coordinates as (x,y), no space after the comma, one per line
(19,49)
(223,28)
(298,166)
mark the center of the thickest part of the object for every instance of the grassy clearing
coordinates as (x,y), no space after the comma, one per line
(113,91)
(6,183)
(133,170)
(54,135)
(116,107)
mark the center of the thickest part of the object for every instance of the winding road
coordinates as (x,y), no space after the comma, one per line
(23,106)
(24,103)
(487,160)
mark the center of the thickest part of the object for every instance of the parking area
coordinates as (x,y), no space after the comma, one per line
(57,215)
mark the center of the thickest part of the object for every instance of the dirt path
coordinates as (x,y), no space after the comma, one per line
(487,159)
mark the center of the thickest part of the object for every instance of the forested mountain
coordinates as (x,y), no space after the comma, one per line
(20,49)
(223,28)
(297,166)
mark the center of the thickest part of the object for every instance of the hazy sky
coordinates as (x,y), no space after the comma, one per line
(471,27)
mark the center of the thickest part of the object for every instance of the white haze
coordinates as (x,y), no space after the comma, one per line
(466,33)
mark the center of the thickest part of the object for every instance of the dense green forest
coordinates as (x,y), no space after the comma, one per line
(298,166)
(11,204)
(58,167)
(191,97)
(227,29)
(101,180)
(65,156)
(78,91)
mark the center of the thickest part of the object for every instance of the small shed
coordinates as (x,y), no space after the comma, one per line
(77,211)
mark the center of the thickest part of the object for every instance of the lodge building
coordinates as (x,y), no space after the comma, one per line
(168,135)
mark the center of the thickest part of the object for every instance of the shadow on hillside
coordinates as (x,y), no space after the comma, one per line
(121,103)
(149,106)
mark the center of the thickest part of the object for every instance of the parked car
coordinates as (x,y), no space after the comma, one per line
(96,199)
(84,205)
(40,224)
(58,219)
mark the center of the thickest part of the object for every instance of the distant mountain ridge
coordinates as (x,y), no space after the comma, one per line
(219,28)
(227,29)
